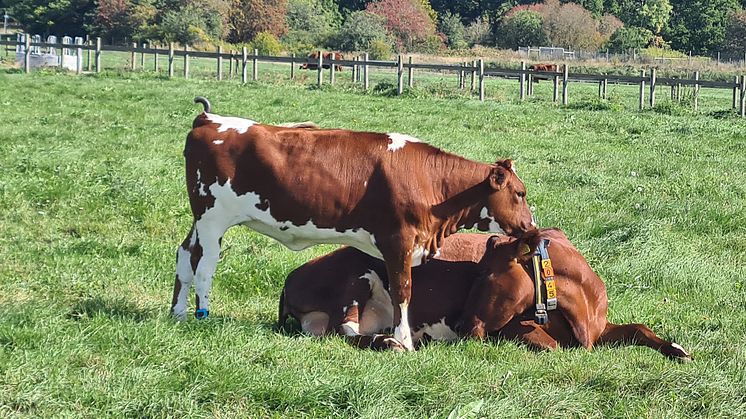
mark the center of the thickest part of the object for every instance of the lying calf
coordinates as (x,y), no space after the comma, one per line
(480,285)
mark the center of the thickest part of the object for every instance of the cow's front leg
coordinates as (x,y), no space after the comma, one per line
(398,259)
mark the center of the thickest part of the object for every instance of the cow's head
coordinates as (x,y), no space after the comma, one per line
(504,208)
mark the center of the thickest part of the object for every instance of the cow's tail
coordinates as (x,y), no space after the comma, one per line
(204,102)
(282,314)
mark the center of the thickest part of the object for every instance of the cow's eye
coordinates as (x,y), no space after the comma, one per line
(521,194)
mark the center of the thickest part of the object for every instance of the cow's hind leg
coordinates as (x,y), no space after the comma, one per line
(641,335)
(205,258)
(399,268)
(184,275)
(350,328)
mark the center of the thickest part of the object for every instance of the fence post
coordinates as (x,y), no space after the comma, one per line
(736,82)
(186,61)
(399,75)
(481,80)
(366,80)
(331,69)
(133,57)
(555,90)
(170,59)
(605,85)
(742,109)
(255,66)
(79,60)
(155,59)
(244,65)
(230,64)
(652,87)
(461,76)
(642,89)
(220,62)
(473,75)
(27,54)
(320,69)
(98,55)
(522,81)
(354,71)
(89,42)
(530,85)
(696,91)
(142,56)
(292,66)
(565,77)
(410,73)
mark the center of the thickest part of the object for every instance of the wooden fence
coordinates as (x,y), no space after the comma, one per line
(361,66)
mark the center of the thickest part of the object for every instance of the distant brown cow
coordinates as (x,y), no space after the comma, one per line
(312,62)
(542,67)
(454,296)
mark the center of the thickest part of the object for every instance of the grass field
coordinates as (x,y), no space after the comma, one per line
(93,206)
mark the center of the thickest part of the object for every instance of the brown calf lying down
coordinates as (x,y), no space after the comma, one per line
(478,286)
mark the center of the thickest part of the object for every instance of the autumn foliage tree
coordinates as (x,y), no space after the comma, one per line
(248,18)
(407,20)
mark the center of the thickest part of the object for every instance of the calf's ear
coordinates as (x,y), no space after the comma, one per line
(498,178)
(527,244)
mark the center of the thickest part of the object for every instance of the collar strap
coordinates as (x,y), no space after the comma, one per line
(543,272)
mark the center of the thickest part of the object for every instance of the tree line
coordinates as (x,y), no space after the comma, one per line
(383,26)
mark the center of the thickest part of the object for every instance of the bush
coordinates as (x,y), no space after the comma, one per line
(359,30)
(379,50)
(451,26)
(407,20)
(191,25)
(630,37)
(735,35)
(478,32)
(523,28)
(267,44)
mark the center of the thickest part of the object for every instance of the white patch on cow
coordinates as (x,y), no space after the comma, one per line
(231,209)
(314,323)
(437,331)
(200,186)
(677,346)
(379,311)
(351,328)
(418,255)
(512,167)
(494,226)
(225,123)
(402,332)
(400,140)
(218,142)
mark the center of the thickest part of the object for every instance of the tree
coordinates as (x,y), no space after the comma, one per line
(608,24)
(52,17)
(735,35)
(629,37)
(250,17)
(478,32)
(359,30)
(650,14)
(570,25)
(406,20)
(699,26)
(311,24)
(451,26)
(520,29)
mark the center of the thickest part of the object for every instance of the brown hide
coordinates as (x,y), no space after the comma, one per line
(493,296)
(312,61)
(386,194)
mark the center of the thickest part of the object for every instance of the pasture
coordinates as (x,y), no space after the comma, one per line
(93,206)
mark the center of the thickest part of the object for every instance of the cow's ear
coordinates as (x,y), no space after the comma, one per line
(527,244)
(498,178)
(492,242)
(507,163)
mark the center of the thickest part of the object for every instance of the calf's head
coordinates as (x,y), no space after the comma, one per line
(505,208)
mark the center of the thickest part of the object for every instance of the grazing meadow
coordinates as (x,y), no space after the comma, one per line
(93,206)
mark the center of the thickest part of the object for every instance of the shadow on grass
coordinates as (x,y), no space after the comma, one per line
(98,306)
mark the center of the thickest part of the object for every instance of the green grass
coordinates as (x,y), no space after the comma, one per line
(93,206)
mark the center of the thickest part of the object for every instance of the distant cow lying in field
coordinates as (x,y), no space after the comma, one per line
(389,195)
(542,67)
(312,62)
(478,286)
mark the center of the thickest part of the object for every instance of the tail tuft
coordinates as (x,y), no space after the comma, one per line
(204,102)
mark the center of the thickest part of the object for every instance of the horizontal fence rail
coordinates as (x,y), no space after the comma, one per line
(361,67)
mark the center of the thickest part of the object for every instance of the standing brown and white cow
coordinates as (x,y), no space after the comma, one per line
(389,195)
